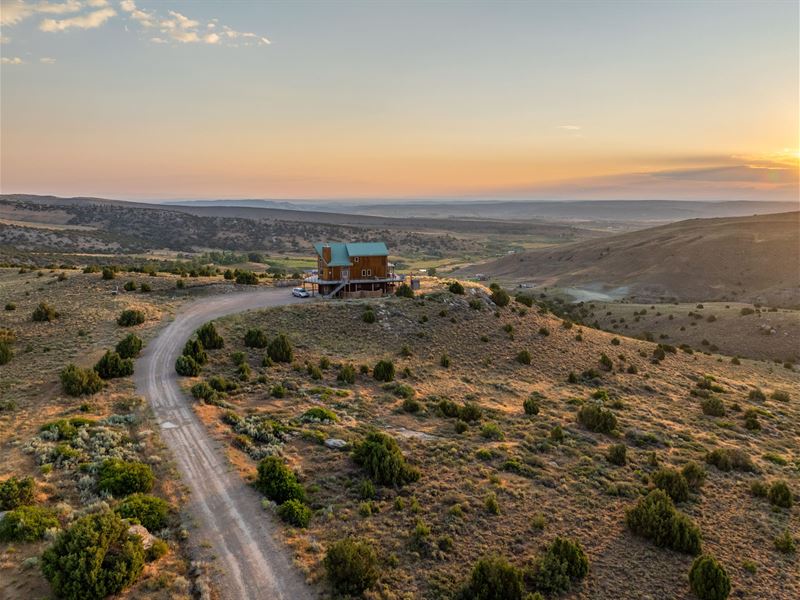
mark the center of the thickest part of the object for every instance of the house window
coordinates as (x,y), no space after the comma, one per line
(369,272)
(355,259)
(363,272)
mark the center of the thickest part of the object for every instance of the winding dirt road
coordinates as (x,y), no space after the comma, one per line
(251,561)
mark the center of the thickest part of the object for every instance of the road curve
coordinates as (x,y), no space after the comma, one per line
(252,562)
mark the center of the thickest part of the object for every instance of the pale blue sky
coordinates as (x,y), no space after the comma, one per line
(399,99)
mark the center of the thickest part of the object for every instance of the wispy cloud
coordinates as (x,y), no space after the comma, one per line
(47,60)
(58,8)
(570,127)
(14,11)
(180,28)
(6,60)
(90,14)
(87,21)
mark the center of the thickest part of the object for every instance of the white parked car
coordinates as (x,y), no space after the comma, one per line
(300,293)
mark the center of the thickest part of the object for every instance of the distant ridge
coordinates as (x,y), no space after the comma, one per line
(754,259)
(644,211)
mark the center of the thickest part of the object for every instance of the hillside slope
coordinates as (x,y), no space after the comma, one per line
(744,258)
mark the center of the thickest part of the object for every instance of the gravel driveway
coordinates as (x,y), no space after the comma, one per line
(250,559)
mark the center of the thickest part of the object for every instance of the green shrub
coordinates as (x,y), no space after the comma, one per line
(531,405)
(193,348)
(605,362)
(708,579)
(44,313)
(404,291)
(130,317)
(246,278)
(129,286)
(461,426)
(366,490)
(121,478)
(220,384)
(380,456)
(15,492)
(729,459)
(447,408)
(655,518)
(383,370)
(557,434)
(492,431)
(11,306)
(208,336)
(526,300)
(26,524)
(156,550)
(151,512)
(456,287)
(96,557)
(759,489)
(695,475)
(617,454)
(108,273)
(785,543)
(563,562)
(277,481)
(713,407)
(243,370)
(347,374)
(470,412)
(595,417)
(66,429)
(145,287)
(278,391)
(780,395)
(187,366)
(255,338)
(295,513)
(524,357)
(757,395)
(111,365)
(369,316)
(493,578)
(76,381)
(318,413)
(673,483)
(203,391)
(6,353)
(444,361)
(280,349)
(129,346)
(411,405)
(780,495)
(351,566)
(751,420)
(500,297)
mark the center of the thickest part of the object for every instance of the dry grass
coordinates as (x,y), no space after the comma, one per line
(717,327)
(579,493)
(29,383)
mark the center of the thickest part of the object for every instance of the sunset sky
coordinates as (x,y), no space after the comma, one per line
(202,99)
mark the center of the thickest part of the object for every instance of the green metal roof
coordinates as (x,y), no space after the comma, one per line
(339,256)
(367,249)
(341,253)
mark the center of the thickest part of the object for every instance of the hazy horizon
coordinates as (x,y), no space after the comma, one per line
(350,101)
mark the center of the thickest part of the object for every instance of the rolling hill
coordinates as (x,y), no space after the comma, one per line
(753,259)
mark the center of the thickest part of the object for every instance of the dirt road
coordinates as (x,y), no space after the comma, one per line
(229,520)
